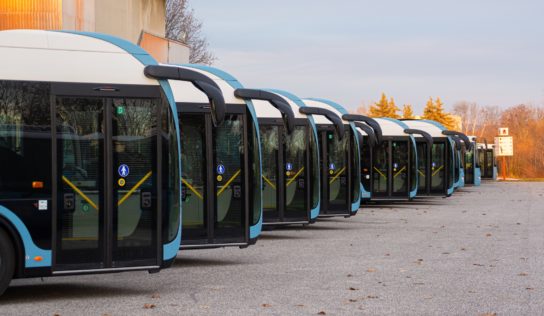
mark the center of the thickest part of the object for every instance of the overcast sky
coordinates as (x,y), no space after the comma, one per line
(490,52)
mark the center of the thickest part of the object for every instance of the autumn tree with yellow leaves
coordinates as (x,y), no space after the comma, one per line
(407,112)
(434,110)
(384,108)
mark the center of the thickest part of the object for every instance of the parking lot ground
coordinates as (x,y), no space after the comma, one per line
(479,251)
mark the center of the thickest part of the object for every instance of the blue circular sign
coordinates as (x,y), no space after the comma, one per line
(123,170)
(288,166)
(220,169)
(332,166)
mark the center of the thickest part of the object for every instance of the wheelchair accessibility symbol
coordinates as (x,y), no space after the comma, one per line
(220,169)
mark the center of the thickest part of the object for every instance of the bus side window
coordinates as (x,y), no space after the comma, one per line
(25,139)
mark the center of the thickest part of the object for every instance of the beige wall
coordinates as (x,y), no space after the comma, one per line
(164,50)
(78,15)
(128,18)
(121,18)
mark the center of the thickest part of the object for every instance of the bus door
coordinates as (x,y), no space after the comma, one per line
(438,167)
(285,160)
(366,163)
(487,163)
(296,182)
(422,167)
(272,152)
(399,157)
(108,177)
(380,172)
(336,173)
(469,166)
(214,160)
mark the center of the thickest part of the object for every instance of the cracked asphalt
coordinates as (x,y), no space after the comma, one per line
(478,252)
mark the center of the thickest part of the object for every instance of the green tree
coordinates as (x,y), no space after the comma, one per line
(384,108)
(407,111)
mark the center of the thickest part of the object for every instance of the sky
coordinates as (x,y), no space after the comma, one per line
(488,52)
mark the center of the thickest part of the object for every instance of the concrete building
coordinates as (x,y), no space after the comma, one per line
(142,22)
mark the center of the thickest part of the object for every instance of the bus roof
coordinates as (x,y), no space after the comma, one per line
(265,109)
(426,126)
(52,56)
(186,92)
(391,127)
(324,104)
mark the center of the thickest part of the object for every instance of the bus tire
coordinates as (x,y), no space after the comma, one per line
(7,261)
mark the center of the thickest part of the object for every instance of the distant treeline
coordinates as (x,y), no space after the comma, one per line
(526,125)
(525,122)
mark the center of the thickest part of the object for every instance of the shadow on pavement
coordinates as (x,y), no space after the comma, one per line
(269,235)
(182,262)
(62,291)
(323,225)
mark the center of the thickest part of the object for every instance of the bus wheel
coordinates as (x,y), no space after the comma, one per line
(7,261)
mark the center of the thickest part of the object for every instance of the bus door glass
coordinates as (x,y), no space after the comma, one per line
(457,163)
(489,162)
(270,151)
(422,148)
(295,168)
(481,160)
(194,179)
(380,173)
(438,167)
(366,163)
(213,178)
(337,171)
(229,157)
(469,166)
(107,182)
(399,158)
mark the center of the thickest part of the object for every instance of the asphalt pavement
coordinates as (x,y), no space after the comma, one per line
(478,252)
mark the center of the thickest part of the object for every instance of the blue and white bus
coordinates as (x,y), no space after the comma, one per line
(339,157)
(290,176)
(393,168)
(221,155)
(462,143)
(436,167)
(488,161)
(473,174)
(89,157)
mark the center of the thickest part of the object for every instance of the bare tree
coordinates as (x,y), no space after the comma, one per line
(491,116)
(182,25)
(472,116)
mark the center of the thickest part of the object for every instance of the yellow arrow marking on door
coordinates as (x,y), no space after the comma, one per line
(223,188)
(78,191)
(134,188)
(383,175)
(436,171)
(269,182)
(295,176)
(337,175)
(399,172)
(421,173)
(195,191)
